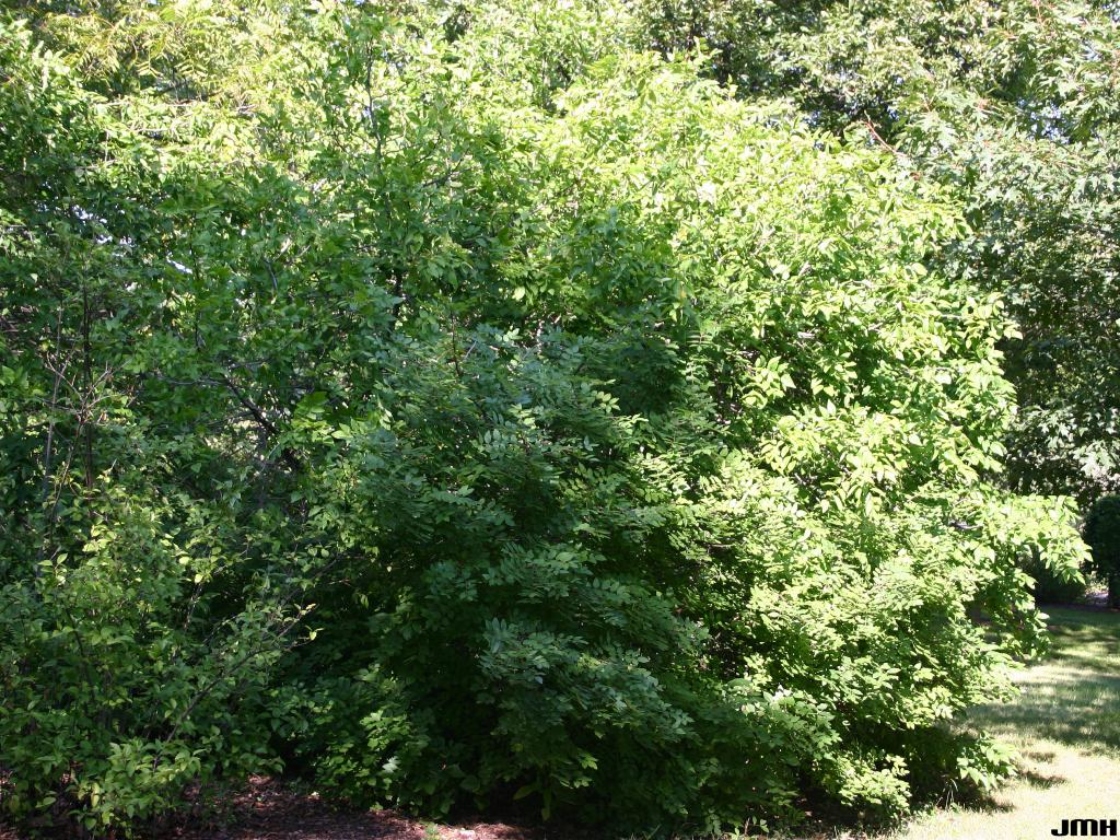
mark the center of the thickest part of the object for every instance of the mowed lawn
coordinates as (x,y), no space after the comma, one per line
(1066,726)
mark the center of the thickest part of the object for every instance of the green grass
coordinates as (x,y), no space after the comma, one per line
(1073,698)
(1065,725)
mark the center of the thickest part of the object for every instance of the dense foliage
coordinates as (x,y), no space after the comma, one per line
(1102,533)
(459,407)
(1011,105)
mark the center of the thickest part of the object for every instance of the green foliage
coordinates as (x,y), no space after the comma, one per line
(1102,533)
(140,626)
(1052,587)
(1013,107)
(463,410)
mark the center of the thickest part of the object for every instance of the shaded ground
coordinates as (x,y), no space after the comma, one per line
(269,810)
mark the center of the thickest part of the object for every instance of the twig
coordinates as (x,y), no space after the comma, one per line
(878,137)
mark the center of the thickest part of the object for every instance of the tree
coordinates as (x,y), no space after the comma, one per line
(1010,106)
(458,408)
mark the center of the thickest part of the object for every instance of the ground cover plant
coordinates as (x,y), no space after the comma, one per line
(460,407)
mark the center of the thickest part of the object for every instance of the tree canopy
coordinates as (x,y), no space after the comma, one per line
(460,405)
(1012,106)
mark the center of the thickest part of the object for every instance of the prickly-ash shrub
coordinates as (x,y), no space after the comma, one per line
(694,520)
(1053,587)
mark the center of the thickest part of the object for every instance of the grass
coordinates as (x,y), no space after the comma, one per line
(1065,725)
(1073,698)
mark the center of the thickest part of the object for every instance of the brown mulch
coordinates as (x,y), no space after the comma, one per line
(267,809)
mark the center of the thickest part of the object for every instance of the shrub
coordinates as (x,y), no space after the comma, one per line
(1053,587)
(1102,533)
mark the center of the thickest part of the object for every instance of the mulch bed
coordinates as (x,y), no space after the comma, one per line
(267,809)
